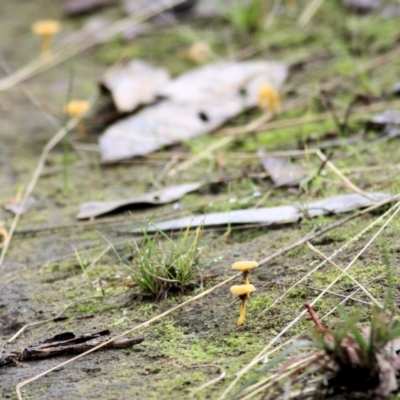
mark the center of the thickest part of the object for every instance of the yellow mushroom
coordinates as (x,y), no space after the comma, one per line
(268,98)
(76,108)
(243,291)
(245,267)
(199,52)
(46,29)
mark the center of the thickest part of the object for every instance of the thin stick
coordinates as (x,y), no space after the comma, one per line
(346,181)
(142,325)
(209,150)
(314,317)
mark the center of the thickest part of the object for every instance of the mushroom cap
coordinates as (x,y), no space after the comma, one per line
(244,265)
(242,289)
(268,98)
(46,27)
(76,107)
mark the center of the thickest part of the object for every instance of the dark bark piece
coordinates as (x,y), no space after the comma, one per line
(62,344)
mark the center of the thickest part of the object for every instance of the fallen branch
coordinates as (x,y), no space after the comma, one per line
(62,344)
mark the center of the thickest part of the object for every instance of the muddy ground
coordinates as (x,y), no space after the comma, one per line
(41,273)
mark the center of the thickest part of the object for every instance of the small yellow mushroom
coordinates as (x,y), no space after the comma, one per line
(46,29)
(243,291)
(76,108)
(268,98)
(245,267)
(3,235)
(199,52)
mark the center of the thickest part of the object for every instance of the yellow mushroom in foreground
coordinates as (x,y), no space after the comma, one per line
(46,29)
(243,291)
(268,98)
(245,267)
(76,108)
(199,52)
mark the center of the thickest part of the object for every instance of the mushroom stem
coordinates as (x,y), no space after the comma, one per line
(46,45)
(246,280)
(81,129)
(242,310)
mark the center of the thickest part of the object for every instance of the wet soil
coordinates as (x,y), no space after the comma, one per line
(41,273)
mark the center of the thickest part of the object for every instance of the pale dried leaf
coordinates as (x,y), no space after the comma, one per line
(271,215)
(389,117)
(198,102)
(282,172)
(134,83)
(96,208)
(16,207)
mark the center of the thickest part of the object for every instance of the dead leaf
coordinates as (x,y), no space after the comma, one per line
(281,171)
(167,195)
(76,7)
(198,102)
(389,117)
(134,83)
(271,215)
(16,207)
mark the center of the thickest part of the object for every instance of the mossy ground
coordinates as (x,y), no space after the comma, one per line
(42,274)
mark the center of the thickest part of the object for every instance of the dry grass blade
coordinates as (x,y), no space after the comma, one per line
(376,302)
(308,12)
(345,180)
(80,43)
(210,382)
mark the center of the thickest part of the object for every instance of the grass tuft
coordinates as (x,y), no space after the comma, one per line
(161,265)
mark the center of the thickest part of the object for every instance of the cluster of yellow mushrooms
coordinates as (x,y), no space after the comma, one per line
(243,291)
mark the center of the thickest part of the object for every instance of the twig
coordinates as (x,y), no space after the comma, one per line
(314,317)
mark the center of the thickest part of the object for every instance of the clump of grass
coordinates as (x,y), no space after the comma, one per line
(246,16)
(161,265)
